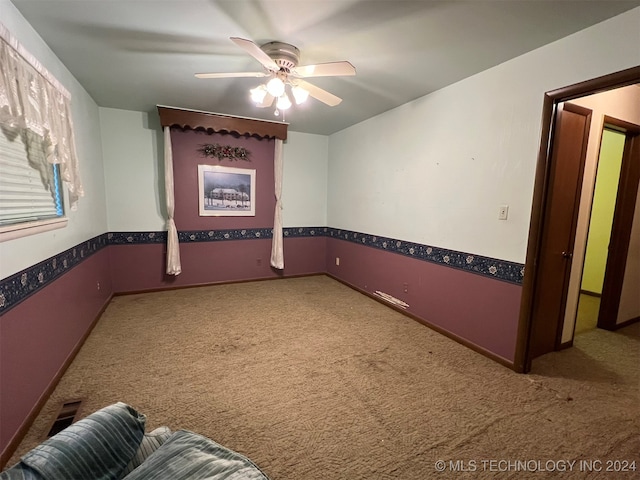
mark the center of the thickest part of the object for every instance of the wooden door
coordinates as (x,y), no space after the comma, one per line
(569,149)
(622,224)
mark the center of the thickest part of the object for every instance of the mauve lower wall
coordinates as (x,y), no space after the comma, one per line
(141,267)
(479,310)
(38,335)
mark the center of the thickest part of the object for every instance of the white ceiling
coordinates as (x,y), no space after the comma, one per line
(136,54)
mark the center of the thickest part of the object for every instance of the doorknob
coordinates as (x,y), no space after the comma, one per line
(567,254)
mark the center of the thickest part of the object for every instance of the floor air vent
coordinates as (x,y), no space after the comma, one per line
(66,416)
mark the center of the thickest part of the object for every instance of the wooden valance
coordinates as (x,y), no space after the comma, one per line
(218,123)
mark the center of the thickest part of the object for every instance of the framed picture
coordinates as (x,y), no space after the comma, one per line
(226,191)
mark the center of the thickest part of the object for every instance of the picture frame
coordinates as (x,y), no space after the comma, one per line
(226,191)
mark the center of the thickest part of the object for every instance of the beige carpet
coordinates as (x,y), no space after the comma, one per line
(313,380)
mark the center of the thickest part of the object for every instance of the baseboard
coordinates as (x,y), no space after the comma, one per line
(565,345)
(626,323)
(212,284)
(463,341)
(14,443)
(590,294)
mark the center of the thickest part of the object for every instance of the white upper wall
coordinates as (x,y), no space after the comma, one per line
(436,170)
(133,149)
(90,219)
(133,152)
(304,182)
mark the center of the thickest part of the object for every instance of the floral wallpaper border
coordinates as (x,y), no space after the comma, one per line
(185,236)
(16,288)
(504,270)
(20,286)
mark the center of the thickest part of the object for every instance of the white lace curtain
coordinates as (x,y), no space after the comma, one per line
(31,98)
(173,244)
(277,252)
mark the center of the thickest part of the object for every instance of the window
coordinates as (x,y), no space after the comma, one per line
(31,195)
(37,147)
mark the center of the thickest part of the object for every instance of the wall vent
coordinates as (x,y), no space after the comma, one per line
(66,416)
(391,299)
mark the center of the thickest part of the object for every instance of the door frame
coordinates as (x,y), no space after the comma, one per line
(522,357)
(571,127)
(622,223)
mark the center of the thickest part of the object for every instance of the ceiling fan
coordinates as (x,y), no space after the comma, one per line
(280,62)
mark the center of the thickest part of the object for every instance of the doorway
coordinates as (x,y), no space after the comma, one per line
(542,325)
(603,206)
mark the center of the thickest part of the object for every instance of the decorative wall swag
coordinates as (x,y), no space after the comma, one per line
(217,123)
(227,152)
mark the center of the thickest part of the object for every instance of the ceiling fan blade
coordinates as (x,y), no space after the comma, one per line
(319,94)
(256,52)
(331,69)
(231,75)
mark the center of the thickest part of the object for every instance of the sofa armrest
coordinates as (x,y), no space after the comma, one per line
(98,447)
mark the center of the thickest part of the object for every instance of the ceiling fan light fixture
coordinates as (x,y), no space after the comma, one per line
(280,62)
(299,94)
(275,87)
(283,102)
(258,94)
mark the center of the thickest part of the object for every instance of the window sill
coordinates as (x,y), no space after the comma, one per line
(11,232)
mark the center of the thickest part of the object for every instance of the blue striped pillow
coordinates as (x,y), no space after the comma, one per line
(189,456)
(97,447)
(150,443)
(20,472)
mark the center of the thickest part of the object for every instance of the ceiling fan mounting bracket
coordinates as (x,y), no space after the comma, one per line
(285,55)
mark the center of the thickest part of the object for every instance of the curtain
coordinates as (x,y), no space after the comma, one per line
(173,246)
(32,99)
(277,254)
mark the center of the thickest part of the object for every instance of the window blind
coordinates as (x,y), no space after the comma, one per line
(30,188)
